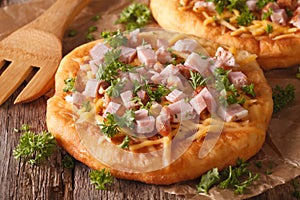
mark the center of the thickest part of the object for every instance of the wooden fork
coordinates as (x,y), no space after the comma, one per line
(36,45)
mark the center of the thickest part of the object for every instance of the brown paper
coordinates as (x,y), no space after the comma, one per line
(280,155)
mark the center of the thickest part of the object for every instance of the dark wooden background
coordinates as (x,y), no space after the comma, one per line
(52,181)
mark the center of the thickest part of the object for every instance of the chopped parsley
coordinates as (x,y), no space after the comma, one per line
(69,85)
(113,123)
(208,180)
(245,18)
(111,67)
(196,80)
(249,89)
(114,89)
(34,148)
(114,39)
(282,96)
(125,143)
(109,128)
(72,33)
(269,28)
(229,93)
(266,15)
(261,3)
(135,16)
(101,178)
(238,177)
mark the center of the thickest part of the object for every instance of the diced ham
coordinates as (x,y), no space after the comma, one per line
(195,62)
(198,103)
(155,109)
(295,21)
(169,70)
(162,43)
(127,54)
(135,77)
(185,45)
(142,94)
(225,57)
(279,17)
(233,112)
(251,4)
(182,107)
(98,51)
(238,79)
(111,108)
(175,95)
(209,100)
(163,122)
(140,114)
(145,125)
(203,4)
(127,99)
(80,81)
(163,55)
(127,84)
(156,77)
(94,66)
(78,98)
(174,82)
(91,88)
(145,74)
(133,38)
(158,67)
(146,55)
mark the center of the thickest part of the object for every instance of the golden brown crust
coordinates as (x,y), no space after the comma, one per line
(236,141)
(280,53)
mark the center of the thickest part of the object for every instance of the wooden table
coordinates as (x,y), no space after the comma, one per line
(51,180)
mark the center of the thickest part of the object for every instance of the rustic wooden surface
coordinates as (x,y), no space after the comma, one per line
(52,181)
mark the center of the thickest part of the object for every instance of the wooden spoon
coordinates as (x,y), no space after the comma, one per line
(36,45)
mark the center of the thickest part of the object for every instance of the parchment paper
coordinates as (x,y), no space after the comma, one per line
(280,155)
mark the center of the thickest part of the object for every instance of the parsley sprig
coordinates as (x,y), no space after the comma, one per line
(238,177)
(282,96)
(101,178)
(113,123)
(34,148)
(109,71)
(135,16)
(115,38)
(196,80)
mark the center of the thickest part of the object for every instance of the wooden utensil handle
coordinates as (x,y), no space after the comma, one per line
(57,18)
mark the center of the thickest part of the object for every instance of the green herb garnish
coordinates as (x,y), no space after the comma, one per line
(68,162)
(245,18)
(269,28)
(238,177)
(267,14)
(249,89)
(125,143)
(115,87)
(101,178)
(34,148)
(282,96)
(298,74)
(114,39)
(196,80)
(72,33)
(261,3)
(208,180)
(109,128)
(70,85)
(135,16)
(111,67)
